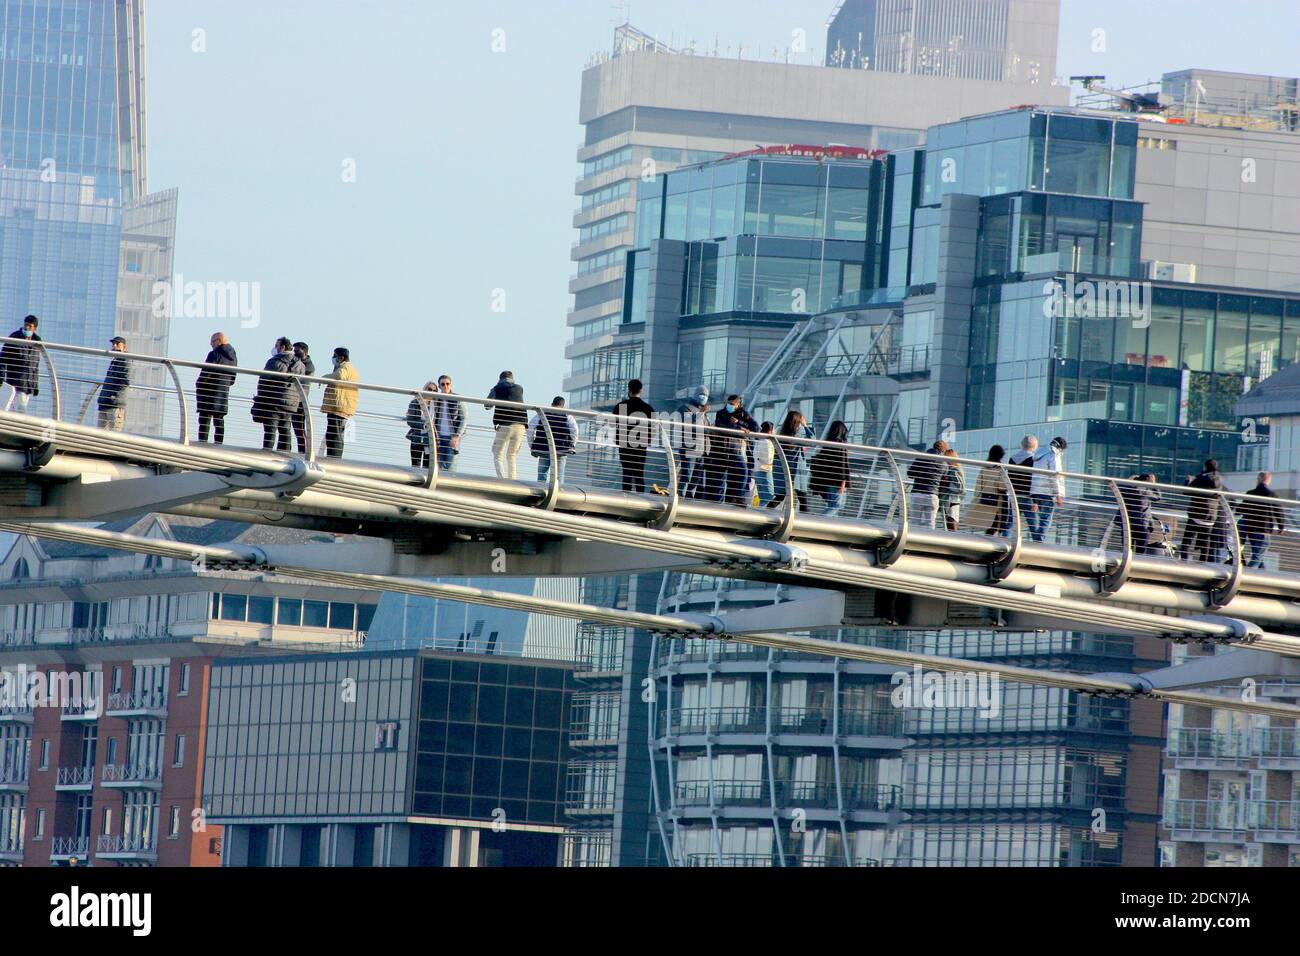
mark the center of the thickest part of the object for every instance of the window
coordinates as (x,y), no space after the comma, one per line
(342,616)
(112,751)
(288,612)
(315,614)
(117,680)
(40,825)
(184,681)
(21,570)
(174,823)
(45,754)
(234,607)
(107,823)
(365,616)
(261,610)
(178,756)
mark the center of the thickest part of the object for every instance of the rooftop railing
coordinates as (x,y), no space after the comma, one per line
(670,460)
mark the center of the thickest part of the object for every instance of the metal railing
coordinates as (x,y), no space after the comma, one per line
(70,846)
(75,777)
(123,845)
(132,773)
(671,460)
(154,700)
(1234,816)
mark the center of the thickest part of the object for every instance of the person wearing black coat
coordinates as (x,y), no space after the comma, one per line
(20,365)
(301,353)
(828,469)
(510,425)
(1139,504)
(634,437)
(277,397)
(728,470)
(1259,518)
(112,392)
(212,389)
(1202,538)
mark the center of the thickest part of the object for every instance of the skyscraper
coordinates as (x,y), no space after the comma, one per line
(1007,40)
(75,211)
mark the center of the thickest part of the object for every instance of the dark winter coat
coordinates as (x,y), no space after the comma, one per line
(1260,516)
(212,388)
(20,363)
(1205,508)
(928,474)
(634,434)
(277,396)
(112,394)
(508,391)
(737,421)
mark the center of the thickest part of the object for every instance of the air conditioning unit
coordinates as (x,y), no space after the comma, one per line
(1171,271)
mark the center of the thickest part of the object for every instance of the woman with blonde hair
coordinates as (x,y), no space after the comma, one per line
(417,425)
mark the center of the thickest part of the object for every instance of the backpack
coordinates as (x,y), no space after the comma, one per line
(1021,481)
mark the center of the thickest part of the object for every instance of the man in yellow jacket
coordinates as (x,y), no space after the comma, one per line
(340,402)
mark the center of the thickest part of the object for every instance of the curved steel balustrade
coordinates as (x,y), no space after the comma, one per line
(1112,531)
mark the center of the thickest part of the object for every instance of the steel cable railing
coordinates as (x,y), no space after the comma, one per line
(688,461)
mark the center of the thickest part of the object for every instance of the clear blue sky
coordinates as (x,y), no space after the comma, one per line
(464,157)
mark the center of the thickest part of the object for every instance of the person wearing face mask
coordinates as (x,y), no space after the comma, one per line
(20,365)
(302,354)
(277,397)
(730,472)
(340,402)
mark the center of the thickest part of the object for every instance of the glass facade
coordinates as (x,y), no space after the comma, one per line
(780,236)
(71,153)
(492,736)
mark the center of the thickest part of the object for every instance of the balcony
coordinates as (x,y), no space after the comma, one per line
(81,712)
(11,854)
(75,779)
(13,779)
(1188,819)
(869,797)
(811,721)
(15,715)
(126,848)
(1277,821)
(1278,748)
(1205,747)
(125,777)
(65,849)
(145,703)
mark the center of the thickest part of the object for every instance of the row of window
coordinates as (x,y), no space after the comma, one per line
(334,615)
(606,260)
(608,194)
(619,157)
(604,227)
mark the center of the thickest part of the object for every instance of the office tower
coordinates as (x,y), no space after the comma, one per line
(105,766)
(1010,40)
(83,239)
(955,328)
(646,110)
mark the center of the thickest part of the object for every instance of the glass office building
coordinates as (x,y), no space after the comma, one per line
(395,758)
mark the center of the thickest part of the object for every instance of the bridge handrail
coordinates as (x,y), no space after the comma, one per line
(610,417)
(876,486)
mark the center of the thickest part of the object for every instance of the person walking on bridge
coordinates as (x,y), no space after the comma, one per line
(302,353)
(212,389)
(20,365)
(510,425)
(340,402)
(634,436)
(277,397)
(564,432)
(1259,516)
(112,392)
